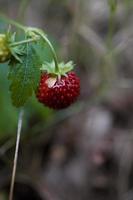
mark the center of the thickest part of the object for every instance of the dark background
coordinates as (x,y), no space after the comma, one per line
(86,151)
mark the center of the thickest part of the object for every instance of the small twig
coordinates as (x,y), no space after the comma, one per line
(20,120)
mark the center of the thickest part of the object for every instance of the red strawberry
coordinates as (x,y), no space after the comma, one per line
(58,92)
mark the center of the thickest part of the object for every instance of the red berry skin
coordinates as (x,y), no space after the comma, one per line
(61,94)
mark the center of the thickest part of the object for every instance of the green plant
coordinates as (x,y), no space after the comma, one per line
(25,65)
(25,68)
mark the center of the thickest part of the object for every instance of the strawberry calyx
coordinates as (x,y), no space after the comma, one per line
(7,40)
(63,68)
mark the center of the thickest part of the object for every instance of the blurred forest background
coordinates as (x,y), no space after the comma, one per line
(86,151)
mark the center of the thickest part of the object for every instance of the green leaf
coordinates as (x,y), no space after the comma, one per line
(24,76)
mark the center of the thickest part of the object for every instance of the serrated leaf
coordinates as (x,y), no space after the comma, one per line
(24,76)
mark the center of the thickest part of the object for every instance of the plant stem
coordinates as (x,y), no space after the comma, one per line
(50,46)
(53,52)
(24,42)
(111,30)
(113,7)
(20,121)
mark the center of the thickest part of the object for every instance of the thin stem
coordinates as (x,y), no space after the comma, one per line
(50,46)
(113,7)
(24,42)
(53,52)
(20,121)
(111,30)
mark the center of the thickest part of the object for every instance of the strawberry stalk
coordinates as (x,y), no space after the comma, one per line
(52,51)
(43,36)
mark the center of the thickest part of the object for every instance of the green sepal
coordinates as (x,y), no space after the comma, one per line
(16,51)
(63,68)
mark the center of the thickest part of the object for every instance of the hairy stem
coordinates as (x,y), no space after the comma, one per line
(53,52)
(24,42)
(20,121)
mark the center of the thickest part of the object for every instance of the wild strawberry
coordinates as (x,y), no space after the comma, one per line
(4,50)
(58,92)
